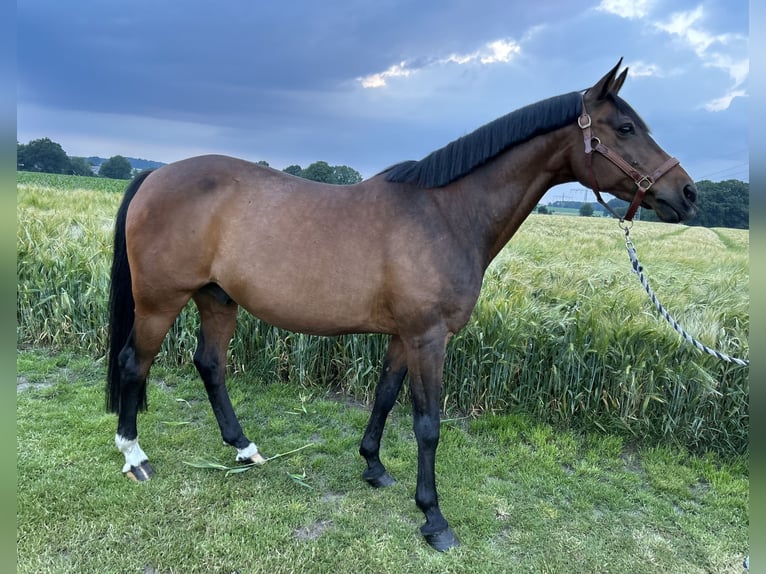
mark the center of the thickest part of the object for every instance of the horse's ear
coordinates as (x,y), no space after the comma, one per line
(607,83)
(620,81)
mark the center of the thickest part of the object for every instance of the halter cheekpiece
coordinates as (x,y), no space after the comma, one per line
(643,181)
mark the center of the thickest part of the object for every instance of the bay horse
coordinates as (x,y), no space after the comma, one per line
(402,253)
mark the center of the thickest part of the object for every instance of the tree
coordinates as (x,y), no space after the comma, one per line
(293,170)
(21,151)
(344,175)
(617,205)
(586,210)
(723,204)
(323,172)
(116,167)
(318,171)
(542,209)
(80,166)
(719,204)
(41,155)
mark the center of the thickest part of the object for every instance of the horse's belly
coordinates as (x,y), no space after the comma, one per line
(306,307)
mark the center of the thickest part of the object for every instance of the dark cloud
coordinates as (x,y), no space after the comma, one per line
(279,81)
(95,56)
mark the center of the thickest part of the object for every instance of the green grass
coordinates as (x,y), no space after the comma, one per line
(563,331)
(521,495)
(70,182)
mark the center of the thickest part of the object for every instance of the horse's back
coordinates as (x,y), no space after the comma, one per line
(289,250)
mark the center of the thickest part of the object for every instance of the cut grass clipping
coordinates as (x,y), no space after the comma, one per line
(243,467)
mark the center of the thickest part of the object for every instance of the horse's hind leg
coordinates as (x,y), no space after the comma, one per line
(391,378)
(218,317)
(134,361)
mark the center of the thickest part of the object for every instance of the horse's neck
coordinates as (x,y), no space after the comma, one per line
(501,194)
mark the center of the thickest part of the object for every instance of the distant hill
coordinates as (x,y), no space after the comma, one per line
(135,163)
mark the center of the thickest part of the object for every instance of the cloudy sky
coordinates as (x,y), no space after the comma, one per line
(368,83)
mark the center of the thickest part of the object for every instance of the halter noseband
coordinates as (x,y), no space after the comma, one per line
(643,182)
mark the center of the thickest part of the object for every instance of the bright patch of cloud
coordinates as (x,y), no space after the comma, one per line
(687,26)
(379,80)
(737,69)
(496,52)
(723,103)
(461,58)
(642,70)
(682,24)
(631,9)
(500,51)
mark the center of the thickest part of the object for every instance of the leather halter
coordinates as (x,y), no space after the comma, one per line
(643,181)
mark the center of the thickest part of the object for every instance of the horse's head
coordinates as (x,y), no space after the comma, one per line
(616,154)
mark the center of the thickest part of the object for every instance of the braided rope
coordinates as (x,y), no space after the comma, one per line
(639,270)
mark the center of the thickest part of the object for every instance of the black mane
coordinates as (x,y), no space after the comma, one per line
(462,156)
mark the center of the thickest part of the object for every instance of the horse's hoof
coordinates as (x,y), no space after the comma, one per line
(250,455)
(253,459)
(140,473)
(442,540)
(381,481)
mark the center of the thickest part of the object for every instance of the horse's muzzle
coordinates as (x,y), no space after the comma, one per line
(690,193)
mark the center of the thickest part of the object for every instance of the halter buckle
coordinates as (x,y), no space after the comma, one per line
(584,121)
(644,183)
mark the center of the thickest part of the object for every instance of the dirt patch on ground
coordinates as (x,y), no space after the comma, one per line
(337,395)
(631,459)
(22,384)
(333,498)
(312,531)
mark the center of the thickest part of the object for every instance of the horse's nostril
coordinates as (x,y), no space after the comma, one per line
(690,192)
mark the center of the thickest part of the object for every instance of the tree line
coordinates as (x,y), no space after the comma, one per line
(45,155)
(720,204)
(323,172)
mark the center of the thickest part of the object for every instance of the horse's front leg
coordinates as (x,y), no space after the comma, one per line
(426,363)
(391,378)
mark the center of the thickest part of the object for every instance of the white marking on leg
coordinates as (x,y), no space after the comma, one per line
(134,456)
(250,453)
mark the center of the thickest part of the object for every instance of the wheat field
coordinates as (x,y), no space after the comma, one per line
(563,330)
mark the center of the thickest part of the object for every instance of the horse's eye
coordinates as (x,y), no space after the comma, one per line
(626,129)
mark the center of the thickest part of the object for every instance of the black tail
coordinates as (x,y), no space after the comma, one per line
(121,303)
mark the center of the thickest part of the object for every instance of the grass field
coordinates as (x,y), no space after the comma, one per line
(580,433)
(522,496)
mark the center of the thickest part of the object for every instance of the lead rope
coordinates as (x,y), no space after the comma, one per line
(639,270)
